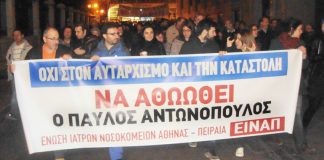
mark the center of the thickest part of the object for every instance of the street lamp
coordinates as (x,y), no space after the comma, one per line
(95,5)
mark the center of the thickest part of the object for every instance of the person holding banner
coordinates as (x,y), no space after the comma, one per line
(204,42)
(290,39)
(148,45)
(186,34)
(316,79)
(16,52)
(51,49)
(87,42)
(111,46)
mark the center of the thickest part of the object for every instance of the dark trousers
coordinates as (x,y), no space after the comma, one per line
(299,132)
(314,104)
(13,102)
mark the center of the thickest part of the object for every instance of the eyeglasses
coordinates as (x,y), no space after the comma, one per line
(186,30)
(114,34)
(53,39)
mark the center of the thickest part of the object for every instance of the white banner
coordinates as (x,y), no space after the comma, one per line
(136,101)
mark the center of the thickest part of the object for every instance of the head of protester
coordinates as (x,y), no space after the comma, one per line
(186,31)
(18,36)
(19,48)
(248,43)
(86,42)
(95,32)
(204,41)
(50,48)
(148,44)
(179,22)
(80,31)
(203,30)
(159,35)
(198,17)
(254,30)
(110,45)
(67,35)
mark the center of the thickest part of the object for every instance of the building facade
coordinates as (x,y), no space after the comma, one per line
(33,16)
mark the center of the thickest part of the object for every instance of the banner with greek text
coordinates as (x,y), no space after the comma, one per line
(138,101)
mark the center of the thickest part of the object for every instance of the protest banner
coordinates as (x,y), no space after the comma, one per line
(137,101)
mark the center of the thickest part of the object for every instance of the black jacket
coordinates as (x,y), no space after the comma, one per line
(194,46)
(316,58)
(153,47)
(37,53)
(88,43)
(264,38)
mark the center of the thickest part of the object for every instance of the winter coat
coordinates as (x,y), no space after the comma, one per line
(152,48)
(176,46)
(316,77)
(117,50)
(37,53)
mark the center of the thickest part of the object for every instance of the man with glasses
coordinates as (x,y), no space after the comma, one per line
(51,48)
(110,45)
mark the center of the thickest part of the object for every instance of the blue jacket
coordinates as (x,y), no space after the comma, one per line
(116,50)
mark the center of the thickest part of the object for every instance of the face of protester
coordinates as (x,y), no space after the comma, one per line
(179,24)
(298,31)
(148,34)
(51,39)
(95,33)
(308,28)
(211,33)
(274,24)
(160,37)
(18,37)
(238,41)
(111,36)
(67,33)
(198,18)
(120,30)
(186,31)
(79,32)
(139,27)
(254,31)
(264,23)
(229,25)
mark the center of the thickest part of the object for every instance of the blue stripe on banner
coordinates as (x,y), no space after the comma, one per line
(158,69)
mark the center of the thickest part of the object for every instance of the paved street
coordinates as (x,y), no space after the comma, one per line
(13,145)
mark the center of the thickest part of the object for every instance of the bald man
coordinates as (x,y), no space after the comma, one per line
(51,48)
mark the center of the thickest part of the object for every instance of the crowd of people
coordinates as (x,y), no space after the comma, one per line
(185,36)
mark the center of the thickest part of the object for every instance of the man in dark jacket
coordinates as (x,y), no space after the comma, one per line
(264,34)
(111,46)
(204,42)
(87,42)
(316,79)
(51,48)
